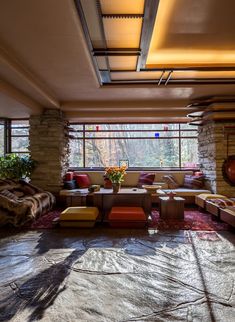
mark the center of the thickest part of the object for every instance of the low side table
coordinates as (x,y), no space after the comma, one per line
(74,197)
(171,208)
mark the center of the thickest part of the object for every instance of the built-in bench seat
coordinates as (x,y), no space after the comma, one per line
(132,177)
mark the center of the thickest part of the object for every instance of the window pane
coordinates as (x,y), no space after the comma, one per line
(20,144)
(187,126)
(189,133)
(20,131)
(125,134)
(76,153)
(189,153)
(1,138)
(19,123)
(127,127)
(140,153)
(75,131)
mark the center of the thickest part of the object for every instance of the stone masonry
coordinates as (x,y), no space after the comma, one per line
(49,146)
(212,153)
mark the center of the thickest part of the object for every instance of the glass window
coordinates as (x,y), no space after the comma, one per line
(139,153)
(143,145)
(76,153)
(189,153)
(20,136)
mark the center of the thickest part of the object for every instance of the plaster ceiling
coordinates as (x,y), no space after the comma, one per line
(45,60)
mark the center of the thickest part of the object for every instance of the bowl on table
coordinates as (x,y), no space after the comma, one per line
(151,188)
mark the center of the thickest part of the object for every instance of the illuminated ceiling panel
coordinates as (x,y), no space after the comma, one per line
(122,63)
(122,6)
(186,33)
(198,74)
(136,75)
(160,41)
(122,33)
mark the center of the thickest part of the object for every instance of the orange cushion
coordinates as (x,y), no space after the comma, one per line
(127,213)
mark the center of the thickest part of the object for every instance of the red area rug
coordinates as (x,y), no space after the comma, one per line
(193,220)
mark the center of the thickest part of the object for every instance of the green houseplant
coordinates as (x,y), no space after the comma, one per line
(13,166)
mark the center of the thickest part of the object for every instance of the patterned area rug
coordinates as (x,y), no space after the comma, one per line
(193,220)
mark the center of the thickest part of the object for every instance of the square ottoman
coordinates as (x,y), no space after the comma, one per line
(79,217)
(127,217)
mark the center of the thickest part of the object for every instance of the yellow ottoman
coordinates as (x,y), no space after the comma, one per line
(201,199)
(79,217)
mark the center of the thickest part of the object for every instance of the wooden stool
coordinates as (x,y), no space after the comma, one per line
(171,208)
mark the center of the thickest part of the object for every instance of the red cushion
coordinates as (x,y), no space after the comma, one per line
(83,180)
(69,176)
(127,213)
(145,178)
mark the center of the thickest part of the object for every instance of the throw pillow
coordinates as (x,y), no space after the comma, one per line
(193,182)
(171,181)
(145,179)
(83,180)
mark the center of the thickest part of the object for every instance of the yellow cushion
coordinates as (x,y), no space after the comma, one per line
(80,213)
(205,196)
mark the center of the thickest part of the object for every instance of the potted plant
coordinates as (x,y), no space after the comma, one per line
(116,176)
(13,166)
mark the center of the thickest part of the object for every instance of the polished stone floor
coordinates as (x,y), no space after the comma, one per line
(117,275)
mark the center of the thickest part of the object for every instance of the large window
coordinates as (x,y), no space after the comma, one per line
(143,145)
(14,136)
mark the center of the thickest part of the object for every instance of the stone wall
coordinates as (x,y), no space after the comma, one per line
(49,146)
(212,153)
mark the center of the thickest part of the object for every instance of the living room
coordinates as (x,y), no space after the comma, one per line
(148,85)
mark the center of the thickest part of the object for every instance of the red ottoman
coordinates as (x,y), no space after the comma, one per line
(127,217)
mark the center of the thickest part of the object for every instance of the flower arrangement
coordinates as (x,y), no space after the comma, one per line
(115,174)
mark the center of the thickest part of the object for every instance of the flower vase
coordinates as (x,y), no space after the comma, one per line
(116,187)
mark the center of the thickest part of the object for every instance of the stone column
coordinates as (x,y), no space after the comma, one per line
(212,143)
(49,146)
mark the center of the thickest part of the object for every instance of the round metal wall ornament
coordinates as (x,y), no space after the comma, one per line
(228,170)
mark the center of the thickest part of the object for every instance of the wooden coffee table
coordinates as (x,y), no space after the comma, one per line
(171,208)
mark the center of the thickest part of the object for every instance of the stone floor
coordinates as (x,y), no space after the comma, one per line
(117,275)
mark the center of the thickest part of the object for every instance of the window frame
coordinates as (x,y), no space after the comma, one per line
(8,135)
(84,137)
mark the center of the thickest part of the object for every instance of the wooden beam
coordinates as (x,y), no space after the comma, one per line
(150,14)
(27,76)
(81,15)
(20,97)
